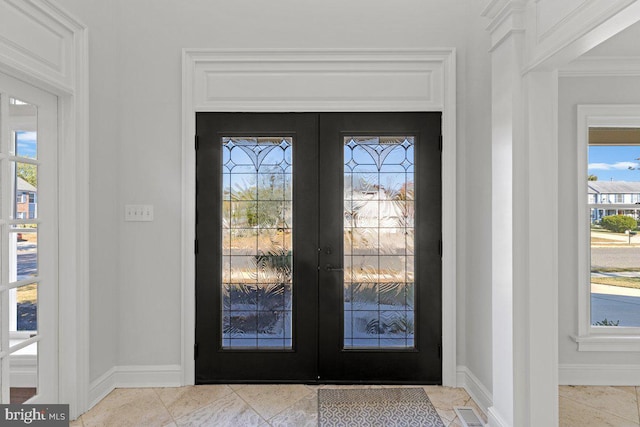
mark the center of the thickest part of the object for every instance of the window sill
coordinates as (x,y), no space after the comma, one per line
(608,343)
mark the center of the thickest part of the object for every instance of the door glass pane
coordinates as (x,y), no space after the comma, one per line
(23,118)
(23,252)
(257,257)
(25,190)
(378,242)
(26,308)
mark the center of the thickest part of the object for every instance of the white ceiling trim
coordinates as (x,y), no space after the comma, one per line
(602,66)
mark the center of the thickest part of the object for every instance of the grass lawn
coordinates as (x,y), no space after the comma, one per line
(625,282)
(601,240)
(27,293)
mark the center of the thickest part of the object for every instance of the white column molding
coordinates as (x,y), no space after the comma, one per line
(504,90)
(44,46)
(524,146)
(536,297)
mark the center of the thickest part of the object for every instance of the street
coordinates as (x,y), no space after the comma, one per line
(615,257)
(611,302)
(27,266)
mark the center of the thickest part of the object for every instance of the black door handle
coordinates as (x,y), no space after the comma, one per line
(329,267)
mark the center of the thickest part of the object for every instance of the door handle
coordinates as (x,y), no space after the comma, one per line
(330,267)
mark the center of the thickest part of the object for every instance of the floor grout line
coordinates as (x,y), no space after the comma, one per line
(291,406)
(155,391)
(252,408)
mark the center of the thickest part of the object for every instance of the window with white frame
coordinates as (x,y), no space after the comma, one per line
(608,236)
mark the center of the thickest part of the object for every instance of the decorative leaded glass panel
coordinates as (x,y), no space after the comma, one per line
(378,242)
(257,258)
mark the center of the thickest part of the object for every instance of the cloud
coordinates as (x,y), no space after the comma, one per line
(28,136)
(613,166)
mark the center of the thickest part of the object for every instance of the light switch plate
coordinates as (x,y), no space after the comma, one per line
(138,213)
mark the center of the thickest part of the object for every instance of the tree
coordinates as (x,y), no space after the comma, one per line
(264,203)
(619,223)
(28,172)
(592,178)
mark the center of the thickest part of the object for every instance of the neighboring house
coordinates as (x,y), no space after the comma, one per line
(26,199)
(614,198)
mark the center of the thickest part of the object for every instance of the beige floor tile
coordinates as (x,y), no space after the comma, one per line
(119,397)
(228,411)
(303,413)
(455,423)
(181,401)
(445,398)
(144,407)
(76,423)
(575,414)
(269,400)
(618,401)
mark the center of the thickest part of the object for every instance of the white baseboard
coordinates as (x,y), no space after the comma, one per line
(133,377)
(590,374)
(101,387)
(495,419)
(478,392)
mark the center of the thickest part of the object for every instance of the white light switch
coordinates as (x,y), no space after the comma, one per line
(138,213)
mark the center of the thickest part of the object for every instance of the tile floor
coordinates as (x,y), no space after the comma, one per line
(236,406)
(599,406)
(296,406)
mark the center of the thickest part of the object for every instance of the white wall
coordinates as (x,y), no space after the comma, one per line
(474,204)
(572,92)
(135,146)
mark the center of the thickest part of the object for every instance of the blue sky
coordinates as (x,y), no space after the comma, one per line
(613,162)
(26,144)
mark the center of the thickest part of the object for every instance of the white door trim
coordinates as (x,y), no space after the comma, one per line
(315,80)
(62,71)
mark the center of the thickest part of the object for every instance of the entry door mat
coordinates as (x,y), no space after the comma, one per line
(388,407)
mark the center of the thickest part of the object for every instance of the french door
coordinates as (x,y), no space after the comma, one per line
(28,244)
(318,252)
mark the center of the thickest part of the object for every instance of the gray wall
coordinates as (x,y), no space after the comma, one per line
(136,142)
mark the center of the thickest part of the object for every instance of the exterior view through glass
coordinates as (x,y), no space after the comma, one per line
(613,186)
(257,258)
(379,242)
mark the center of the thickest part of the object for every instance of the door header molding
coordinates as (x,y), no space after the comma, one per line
(318,80)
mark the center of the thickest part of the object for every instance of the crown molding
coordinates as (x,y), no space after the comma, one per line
(507,17)
(503,11)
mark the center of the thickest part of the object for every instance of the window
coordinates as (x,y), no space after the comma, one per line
(608,236)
